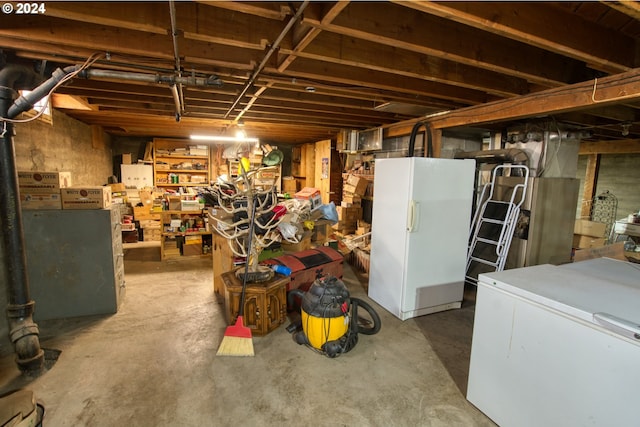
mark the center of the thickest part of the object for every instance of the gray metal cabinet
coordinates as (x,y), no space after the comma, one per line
(75,262)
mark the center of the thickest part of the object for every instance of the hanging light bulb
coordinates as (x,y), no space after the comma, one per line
(625,129)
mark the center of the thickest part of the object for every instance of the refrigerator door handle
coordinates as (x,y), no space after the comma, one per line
(412,216)
(618,325)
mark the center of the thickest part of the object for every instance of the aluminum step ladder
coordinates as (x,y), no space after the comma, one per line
(493,224)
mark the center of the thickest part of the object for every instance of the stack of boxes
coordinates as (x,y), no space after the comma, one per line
(53,190)
(589,234)
(348,218)
(353,188)
(147,213)
(41,190)
(350,209)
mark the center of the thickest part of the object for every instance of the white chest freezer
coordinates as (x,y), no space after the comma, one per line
(558,345)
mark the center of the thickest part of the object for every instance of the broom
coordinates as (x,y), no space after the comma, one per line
(237,338)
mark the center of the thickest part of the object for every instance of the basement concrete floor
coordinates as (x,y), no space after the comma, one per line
(153,364)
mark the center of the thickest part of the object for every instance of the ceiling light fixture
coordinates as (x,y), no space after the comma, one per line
(218,138)
(625,129)
(310,89)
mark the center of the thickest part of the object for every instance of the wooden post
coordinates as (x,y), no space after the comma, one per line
(590,184)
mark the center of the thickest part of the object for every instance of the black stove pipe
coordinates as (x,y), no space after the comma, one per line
(23,332)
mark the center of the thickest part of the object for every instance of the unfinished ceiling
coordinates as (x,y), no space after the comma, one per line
(301,72)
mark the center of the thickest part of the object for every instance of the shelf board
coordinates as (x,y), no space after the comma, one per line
(180,212)
(184,184)
(187,233)
(182,170)
(181,157)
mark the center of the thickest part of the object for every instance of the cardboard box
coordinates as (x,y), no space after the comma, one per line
(86,197)
(174,203)
(193,240)
(615,251)
(40,201)
(626,228)
(356,185)
(589,228)
(128,226)
(143,213)
(307,193)
(304,244)
(43,182)
(311,194)
(349,200)
(363,228)
(190,250)
(150,223)
(290,185)
(582,242)
(151,234)
(130,236)
(191,205)
(117,187)
(350,214)
(321,231)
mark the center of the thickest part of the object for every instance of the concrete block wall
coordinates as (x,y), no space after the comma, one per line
(64,145)
(620,175)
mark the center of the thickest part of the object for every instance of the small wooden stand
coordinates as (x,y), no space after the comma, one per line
(265,306)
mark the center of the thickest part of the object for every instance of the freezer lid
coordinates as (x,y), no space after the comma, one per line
(602,291)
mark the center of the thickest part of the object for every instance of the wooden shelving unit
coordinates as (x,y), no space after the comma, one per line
(172,158)
(169,247)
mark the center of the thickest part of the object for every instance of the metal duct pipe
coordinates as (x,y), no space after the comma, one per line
(150,78)
(176,100)
(511,155)
(23,332)
(178,95)
(270,52)
(26,102)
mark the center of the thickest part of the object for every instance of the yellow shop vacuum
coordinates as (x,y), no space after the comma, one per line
(329,321)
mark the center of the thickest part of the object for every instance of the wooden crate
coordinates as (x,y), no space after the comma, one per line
(265,306)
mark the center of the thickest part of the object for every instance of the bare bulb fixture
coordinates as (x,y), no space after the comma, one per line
(625,129)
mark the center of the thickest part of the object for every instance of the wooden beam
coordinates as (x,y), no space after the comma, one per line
(339,49)
(97,137)
(436,135)
(592,93)
(627,146)
(402,28)
(590,184)
(563,32)
(629,8)
(345,75)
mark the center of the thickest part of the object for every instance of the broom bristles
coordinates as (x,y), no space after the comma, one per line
(236,341)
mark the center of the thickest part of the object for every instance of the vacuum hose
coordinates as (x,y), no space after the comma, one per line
(412,139)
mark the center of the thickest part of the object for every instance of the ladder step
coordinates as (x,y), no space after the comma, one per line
(498,202)
(493,221)
(488,241)
(484,261)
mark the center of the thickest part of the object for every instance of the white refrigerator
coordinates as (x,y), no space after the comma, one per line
(558,345)
(419,234)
